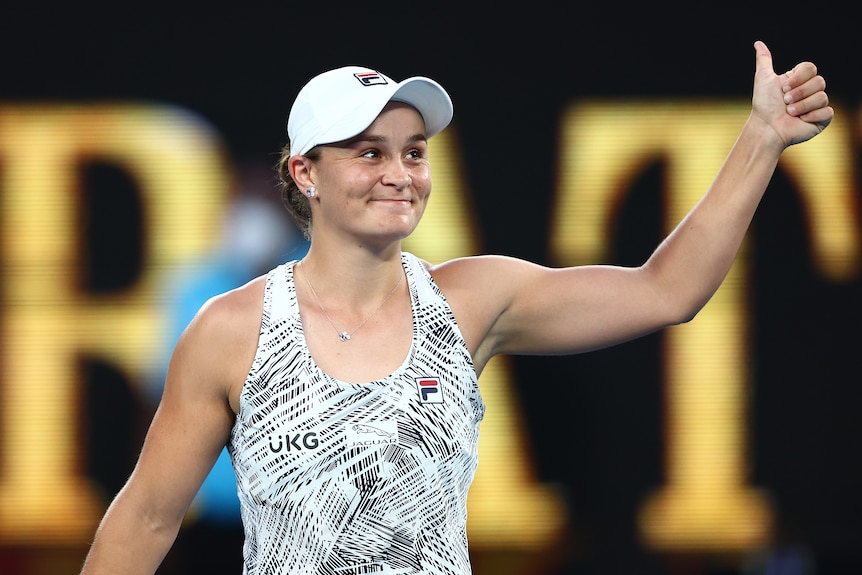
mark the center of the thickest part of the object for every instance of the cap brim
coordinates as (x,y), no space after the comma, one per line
(430,99)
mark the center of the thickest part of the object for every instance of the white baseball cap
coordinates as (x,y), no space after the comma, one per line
(341,103)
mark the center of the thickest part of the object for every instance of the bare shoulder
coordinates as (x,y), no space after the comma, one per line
(234,308)
(228,318)
(479,289)
(221,340)
(474,272)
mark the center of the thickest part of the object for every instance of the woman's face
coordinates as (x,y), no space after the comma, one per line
(375,186)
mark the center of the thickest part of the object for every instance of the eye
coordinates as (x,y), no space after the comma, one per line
(372,153)
(416,154)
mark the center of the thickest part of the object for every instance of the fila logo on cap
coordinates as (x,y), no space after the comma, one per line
(370,78)
(430,390)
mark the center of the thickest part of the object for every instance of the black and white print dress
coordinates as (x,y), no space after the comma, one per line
(337,478)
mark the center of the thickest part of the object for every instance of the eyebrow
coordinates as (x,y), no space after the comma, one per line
(372,139)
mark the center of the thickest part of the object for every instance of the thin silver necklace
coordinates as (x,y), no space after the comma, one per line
(343,335)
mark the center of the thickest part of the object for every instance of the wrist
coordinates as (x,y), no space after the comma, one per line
(763,134)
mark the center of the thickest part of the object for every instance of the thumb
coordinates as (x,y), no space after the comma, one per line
(763,57)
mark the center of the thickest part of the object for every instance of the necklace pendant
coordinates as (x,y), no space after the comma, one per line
(343,335)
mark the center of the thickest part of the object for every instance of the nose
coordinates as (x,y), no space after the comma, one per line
(397,174)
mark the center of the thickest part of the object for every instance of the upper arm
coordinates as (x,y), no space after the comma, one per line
(507,305)
(194,417)
(577,309)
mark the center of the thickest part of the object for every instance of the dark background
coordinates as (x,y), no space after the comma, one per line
(510,70)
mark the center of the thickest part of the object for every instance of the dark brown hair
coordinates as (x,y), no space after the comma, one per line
(292,197)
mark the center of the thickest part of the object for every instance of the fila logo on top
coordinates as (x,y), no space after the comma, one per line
(370,78)
(430,390)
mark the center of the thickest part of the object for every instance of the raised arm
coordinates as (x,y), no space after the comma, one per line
(189,430)
(539,310)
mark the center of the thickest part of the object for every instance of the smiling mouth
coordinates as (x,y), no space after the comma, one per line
(393,200)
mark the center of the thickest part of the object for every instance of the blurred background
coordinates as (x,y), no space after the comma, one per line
(136,154)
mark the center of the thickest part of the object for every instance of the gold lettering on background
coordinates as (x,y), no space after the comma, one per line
(45,323)
(707,503)
(177,163)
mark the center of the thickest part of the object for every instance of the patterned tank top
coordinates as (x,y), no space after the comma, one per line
(346,479)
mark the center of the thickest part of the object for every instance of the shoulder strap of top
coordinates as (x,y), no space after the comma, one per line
(279,299)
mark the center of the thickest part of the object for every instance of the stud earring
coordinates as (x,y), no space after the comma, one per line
(311,192)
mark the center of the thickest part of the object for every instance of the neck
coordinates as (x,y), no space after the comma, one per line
(352,277)
(350,303)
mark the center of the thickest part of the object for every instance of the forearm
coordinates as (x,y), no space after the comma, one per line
(695,258)
(127,542)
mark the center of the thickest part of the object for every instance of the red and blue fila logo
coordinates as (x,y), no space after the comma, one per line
(370,78)
(430,390)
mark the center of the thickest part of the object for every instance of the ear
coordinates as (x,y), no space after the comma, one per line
(300,170)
